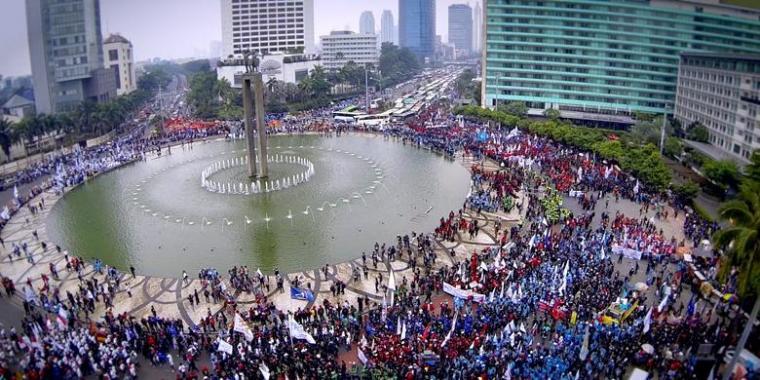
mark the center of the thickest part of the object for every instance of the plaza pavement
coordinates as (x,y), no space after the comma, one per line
(169,295)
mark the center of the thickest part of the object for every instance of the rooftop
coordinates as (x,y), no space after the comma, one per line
(116,38)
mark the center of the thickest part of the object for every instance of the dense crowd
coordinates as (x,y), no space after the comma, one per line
(550,300)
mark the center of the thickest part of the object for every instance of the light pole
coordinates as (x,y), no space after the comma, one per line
(366,86)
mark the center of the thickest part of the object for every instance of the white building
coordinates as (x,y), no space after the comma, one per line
(341,47)
(367,23)
(387,28)
(285,26)
(721,91)
(290,68)
(477,27)
(117,52)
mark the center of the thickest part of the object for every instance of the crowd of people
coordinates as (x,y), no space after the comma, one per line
(537,304)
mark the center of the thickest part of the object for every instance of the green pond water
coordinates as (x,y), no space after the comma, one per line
(157,217)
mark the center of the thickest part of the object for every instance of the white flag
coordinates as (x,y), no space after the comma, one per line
(297,331)
(264,371)
(241,327)
(647,320)
(662,304)
(403,331)
(224,347)
(361,356)
(453,327)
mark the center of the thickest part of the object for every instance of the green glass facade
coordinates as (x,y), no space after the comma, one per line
(614,56)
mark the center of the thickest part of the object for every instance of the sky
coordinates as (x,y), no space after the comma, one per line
(185,28)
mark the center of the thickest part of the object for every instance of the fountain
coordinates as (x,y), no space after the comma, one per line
(205,221)
(227,221)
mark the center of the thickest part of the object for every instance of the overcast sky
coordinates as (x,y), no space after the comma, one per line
(184,28)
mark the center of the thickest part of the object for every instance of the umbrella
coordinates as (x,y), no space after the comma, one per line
(640,286)
(648,348)
(730,298)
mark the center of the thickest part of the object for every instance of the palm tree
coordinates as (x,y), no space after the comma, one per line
(741,241)
(7,137)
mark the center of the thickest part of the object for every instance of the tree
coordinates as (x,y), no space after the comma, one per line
(7,136)
(204,95)
(673,147)
(724,173)
(648,131)
(686,192)
(741,243)
(752,170)
(397,64)
(514,108)
(698,132)
(552,114)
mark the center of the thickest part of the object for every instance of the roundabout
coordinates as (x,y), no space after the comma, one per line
(326,200)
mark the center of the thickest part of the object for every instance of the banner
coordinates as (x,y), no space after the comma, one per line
(627,252)
(224,347)
(461,293)
(301,294)
(241,327)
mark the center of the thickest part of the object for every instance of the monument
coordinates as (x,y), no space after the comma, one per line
(253,97)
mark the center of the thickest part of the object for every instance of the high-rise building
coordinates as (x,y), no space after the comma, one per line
(66,51)
(266,27)
(611,57)
(118,55)
(460,27)
(387,27)
(367,23)
(341,47)
(477,27)
(721,92)
(416,27)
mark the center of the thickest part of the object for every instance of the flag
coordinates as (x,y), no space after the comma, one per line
(453,327)
(63,318)
(361,356)
(258,272)
(662,304)
(224,346)
(398,326)
(241,327)
(584,346)
(301,294)
(264,371)
(297,331)
(403,331)
(15,191)
(647,320)
(692,307)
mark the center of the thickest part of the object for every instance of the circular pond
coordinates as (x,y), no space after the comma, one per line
(326,201)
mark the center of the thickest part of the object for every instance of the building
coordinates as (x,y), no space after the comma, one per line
(17,108)
(289,68)
(118,55)
(285,26)
(416,27)
(66,51)
(367,23)
(387,28)
(341,47)
(722,93)
(477,27)
(603,57)
(460,28)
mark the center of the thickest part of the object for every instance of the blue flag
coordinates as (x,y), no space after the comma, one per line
(301,294)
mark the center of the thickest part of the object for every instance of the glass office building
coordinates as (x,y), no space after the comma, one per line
(416,27)
(610,57)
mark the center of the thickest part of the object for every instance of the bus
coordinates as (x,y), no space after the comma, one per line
(372,120)
(346,116)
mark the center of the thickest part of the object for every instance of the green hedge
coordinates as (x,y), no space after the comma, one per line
(644,161)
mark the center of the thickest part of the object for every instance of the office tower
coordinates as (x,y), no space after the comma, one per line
(460,27)
(387,27)
(341,47)
(66,51)
(417,27)
(118,55)
(721,92)
(285,26)
(552,54)
(367,23)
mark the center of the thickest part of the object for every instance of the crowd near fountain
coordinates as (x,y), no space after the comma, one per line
(529,300)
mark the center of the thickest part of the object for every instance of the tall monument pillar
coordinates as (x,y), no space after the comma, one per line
(261,126)
(254,98)
(249,124)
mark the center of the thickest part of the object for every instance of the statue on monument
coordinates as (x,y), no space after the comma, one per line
(253,106)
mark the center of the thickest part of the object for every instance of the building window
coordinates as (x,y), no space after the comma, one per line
(113,55)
